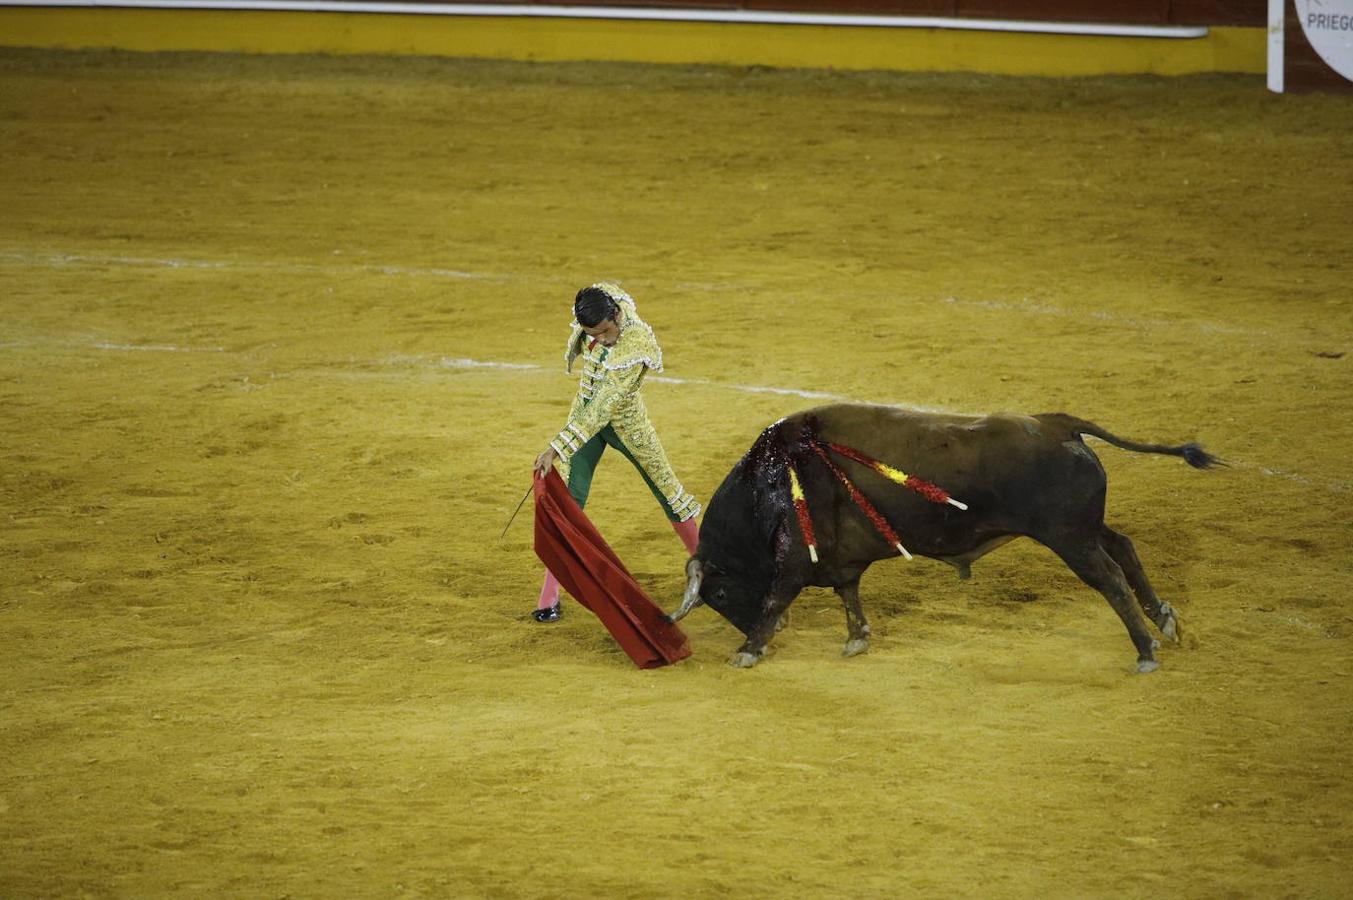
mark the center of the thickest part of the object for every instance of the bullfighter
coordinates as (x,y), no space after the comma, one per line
(617,349)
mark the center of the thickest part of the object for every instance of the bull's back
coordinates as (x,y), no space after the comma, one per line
(1010,469)
(944,444)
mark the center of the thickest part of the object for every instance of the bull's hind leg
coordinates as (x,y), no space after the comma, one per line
(1119,546)
(1097,569)
(857,628)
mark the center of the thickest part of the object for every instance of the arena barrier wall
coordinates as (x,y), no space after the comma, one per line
(1310,46)
(628,34)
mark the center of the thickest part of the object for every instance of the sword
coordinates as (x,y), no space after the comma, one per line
(515,511)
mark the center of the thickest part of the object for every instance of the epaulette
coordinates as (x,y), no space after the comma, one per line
(637,344)
(575,345)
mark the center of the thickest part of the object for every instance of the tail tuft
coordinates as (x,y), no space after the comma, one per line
(1199,458)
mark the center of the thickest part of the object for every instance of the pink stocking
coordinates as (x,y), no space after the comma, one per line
(689,532)
(549,591)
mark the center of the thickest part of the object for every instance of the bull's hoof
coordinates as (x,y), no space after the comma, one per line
(1146,665)
(1170,627)
(744,660)
(855,647)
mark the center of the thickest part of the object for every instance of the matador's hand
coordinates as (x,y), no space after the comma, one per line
(545,460)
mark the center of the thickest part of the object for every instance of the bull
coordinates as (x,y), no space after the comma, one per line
(1020,476)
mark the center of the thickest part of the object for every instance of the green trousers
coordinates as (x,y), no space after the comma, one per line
(583,465)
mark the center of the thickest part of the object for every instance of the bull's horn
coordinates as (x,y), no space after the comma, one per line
(695,573)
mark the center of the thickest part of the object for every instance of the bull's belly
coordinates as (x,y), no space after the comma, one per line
(963,561)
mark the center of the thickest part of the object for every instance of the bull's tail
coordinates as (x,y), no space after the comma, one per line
(1193,454)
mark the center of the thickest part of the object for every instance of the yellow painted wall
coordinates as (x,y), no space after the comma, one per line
(810,46)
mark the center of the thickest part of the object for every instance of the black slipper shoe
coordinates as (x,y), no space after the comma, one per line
(548,614)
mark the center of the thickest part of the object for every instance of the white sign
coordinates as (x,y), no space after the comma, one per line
(1328,25)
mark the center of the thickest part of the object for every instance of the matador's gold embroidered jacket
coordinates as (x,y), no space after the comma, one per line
(608,394)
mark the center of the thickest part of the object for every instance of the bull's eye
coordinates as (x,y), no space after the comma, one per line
(719,594)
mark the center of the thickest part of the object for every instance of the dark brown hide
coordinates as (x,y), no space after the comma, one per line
(1021,476)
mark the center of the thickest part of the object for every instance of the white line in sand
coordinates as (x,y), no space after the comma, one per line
(1022,307)
(1335,486)
(157,348)
(1029,307)
(1025,306)
(481,364)
(60,260)
(108,345)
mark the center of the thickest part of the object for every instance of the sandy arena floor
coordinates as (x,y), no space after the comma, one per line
(280,337)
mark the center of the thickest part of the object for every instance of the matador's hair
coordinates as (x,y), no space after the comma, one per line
(593,305)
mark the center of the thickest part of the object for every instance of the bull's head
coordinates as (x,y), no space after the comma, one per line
(733,598)
(734,567)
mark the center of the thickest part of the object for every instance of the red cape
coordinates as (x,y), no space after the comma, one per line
(570,545)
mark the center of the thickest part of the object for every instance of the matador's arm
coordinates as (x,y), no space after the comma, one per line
(583,425)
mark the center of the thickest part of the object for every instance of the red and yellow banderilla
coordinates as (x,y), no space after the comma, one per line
(932,492)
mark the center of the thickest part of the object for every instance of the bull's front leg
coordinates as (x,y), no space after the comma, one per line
(786,585)
(857,627)
(774,606)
